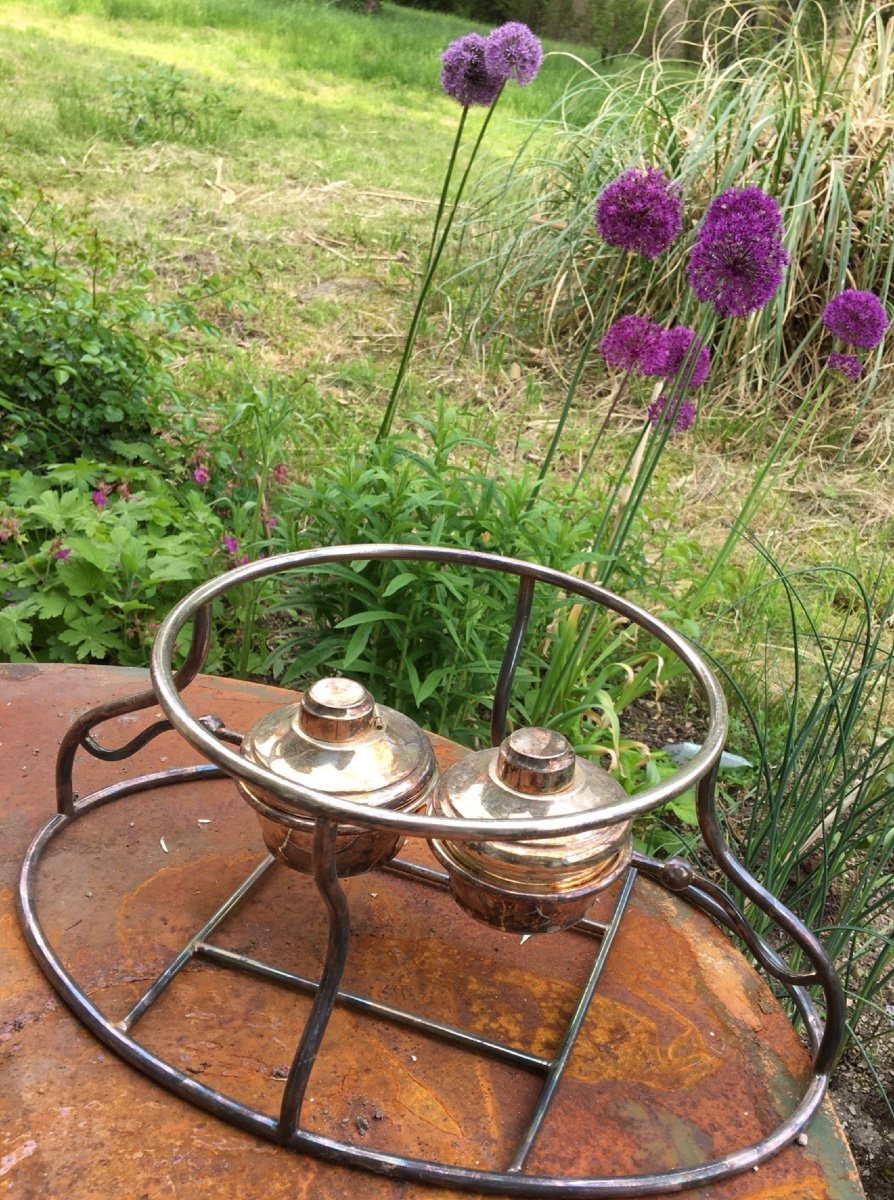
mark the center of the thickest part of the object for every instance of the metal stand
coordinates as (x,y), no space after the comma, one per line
(285,1128)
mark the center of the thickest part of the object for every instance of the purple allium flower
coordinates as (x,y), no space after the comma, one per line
(513,52)
(99,498)
(845,364)
(465,75)
(737,261)
(748,205)
(640,211)
(200,475)
(857,318)
(230,544)
(635,344)
(677,342)
(661,408)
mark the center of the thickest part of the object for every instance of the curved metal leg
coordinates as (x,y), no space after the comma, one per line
(326,879)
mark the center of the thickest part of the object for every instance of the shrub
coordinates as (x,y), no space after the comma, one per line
(161,103)
(93,557)
(83,351)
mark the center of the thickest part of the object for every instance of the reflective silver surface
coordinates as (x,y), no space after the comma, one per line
(536,884)
(336,740)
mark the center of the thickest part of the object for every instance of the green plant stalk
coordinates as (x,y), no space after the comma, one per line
(655,446)
(777,460)
(619,392)
(445,188)
(434,259)
(595,326)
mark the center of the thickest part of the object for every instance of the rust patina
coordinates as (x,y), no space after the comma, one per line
(684,1055)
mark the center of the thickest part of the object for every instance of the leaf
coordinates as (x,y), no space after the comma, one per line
(370,617)
(99,554)
(92,636)
(357,644)
(81,578)
(50,604)
(15,628)
(399,582)
(424,689)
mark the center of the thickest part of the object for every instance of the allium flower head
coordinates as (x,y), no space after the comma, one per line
(513,52)
(677,343)
(465,75)
(857,318)
(635,344)
(749,206)
(738,258)
(640,211)
(661,408)
(845,364)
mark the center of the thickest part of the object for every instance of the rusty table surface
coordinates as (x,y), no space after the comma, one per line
(684,1055)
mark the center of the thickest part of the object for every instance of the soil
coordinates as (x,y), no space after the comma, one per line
(858,1098)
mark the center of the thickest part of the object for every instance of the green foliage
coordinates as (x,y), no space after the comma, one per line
(90,581)
(428,639)
(160,103)
(83,353)
(818,827)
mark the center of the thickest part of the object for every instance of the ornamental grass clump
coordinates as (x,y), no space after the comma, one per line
(474,72)
(855,317)
(797,106)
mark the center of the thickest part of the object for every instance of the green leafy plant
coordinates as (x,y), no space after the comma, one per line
(83,355)
(93,556)
(161,103)
(816,821)
(429,640)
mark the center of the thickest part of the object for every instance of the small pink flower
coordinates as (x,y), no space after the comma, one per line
(99,498)
(280,473)
(230,544)
(62,552)
(270,523)
(200,475)
(9,528)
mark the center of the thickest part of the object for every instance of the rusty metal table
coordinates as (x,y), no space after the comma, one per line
(684,1054)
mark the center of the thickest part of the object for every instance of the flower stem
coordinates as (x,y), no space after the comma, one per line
(595,326)
(619,392)
(442,201)
(777,459)
(434,259)
(656,443)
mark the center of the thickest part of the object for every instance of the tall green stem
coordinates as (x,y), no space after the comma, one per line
(777,459)
(596,325)
(657,442)
(434,259)
(619,392)
(442,201)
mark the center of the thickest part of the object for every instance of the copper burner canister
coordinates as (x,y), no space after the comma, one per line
(338,741)
(544,884)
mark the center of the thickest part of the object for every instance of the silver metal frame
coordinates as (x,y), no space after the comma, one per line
(210,738)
